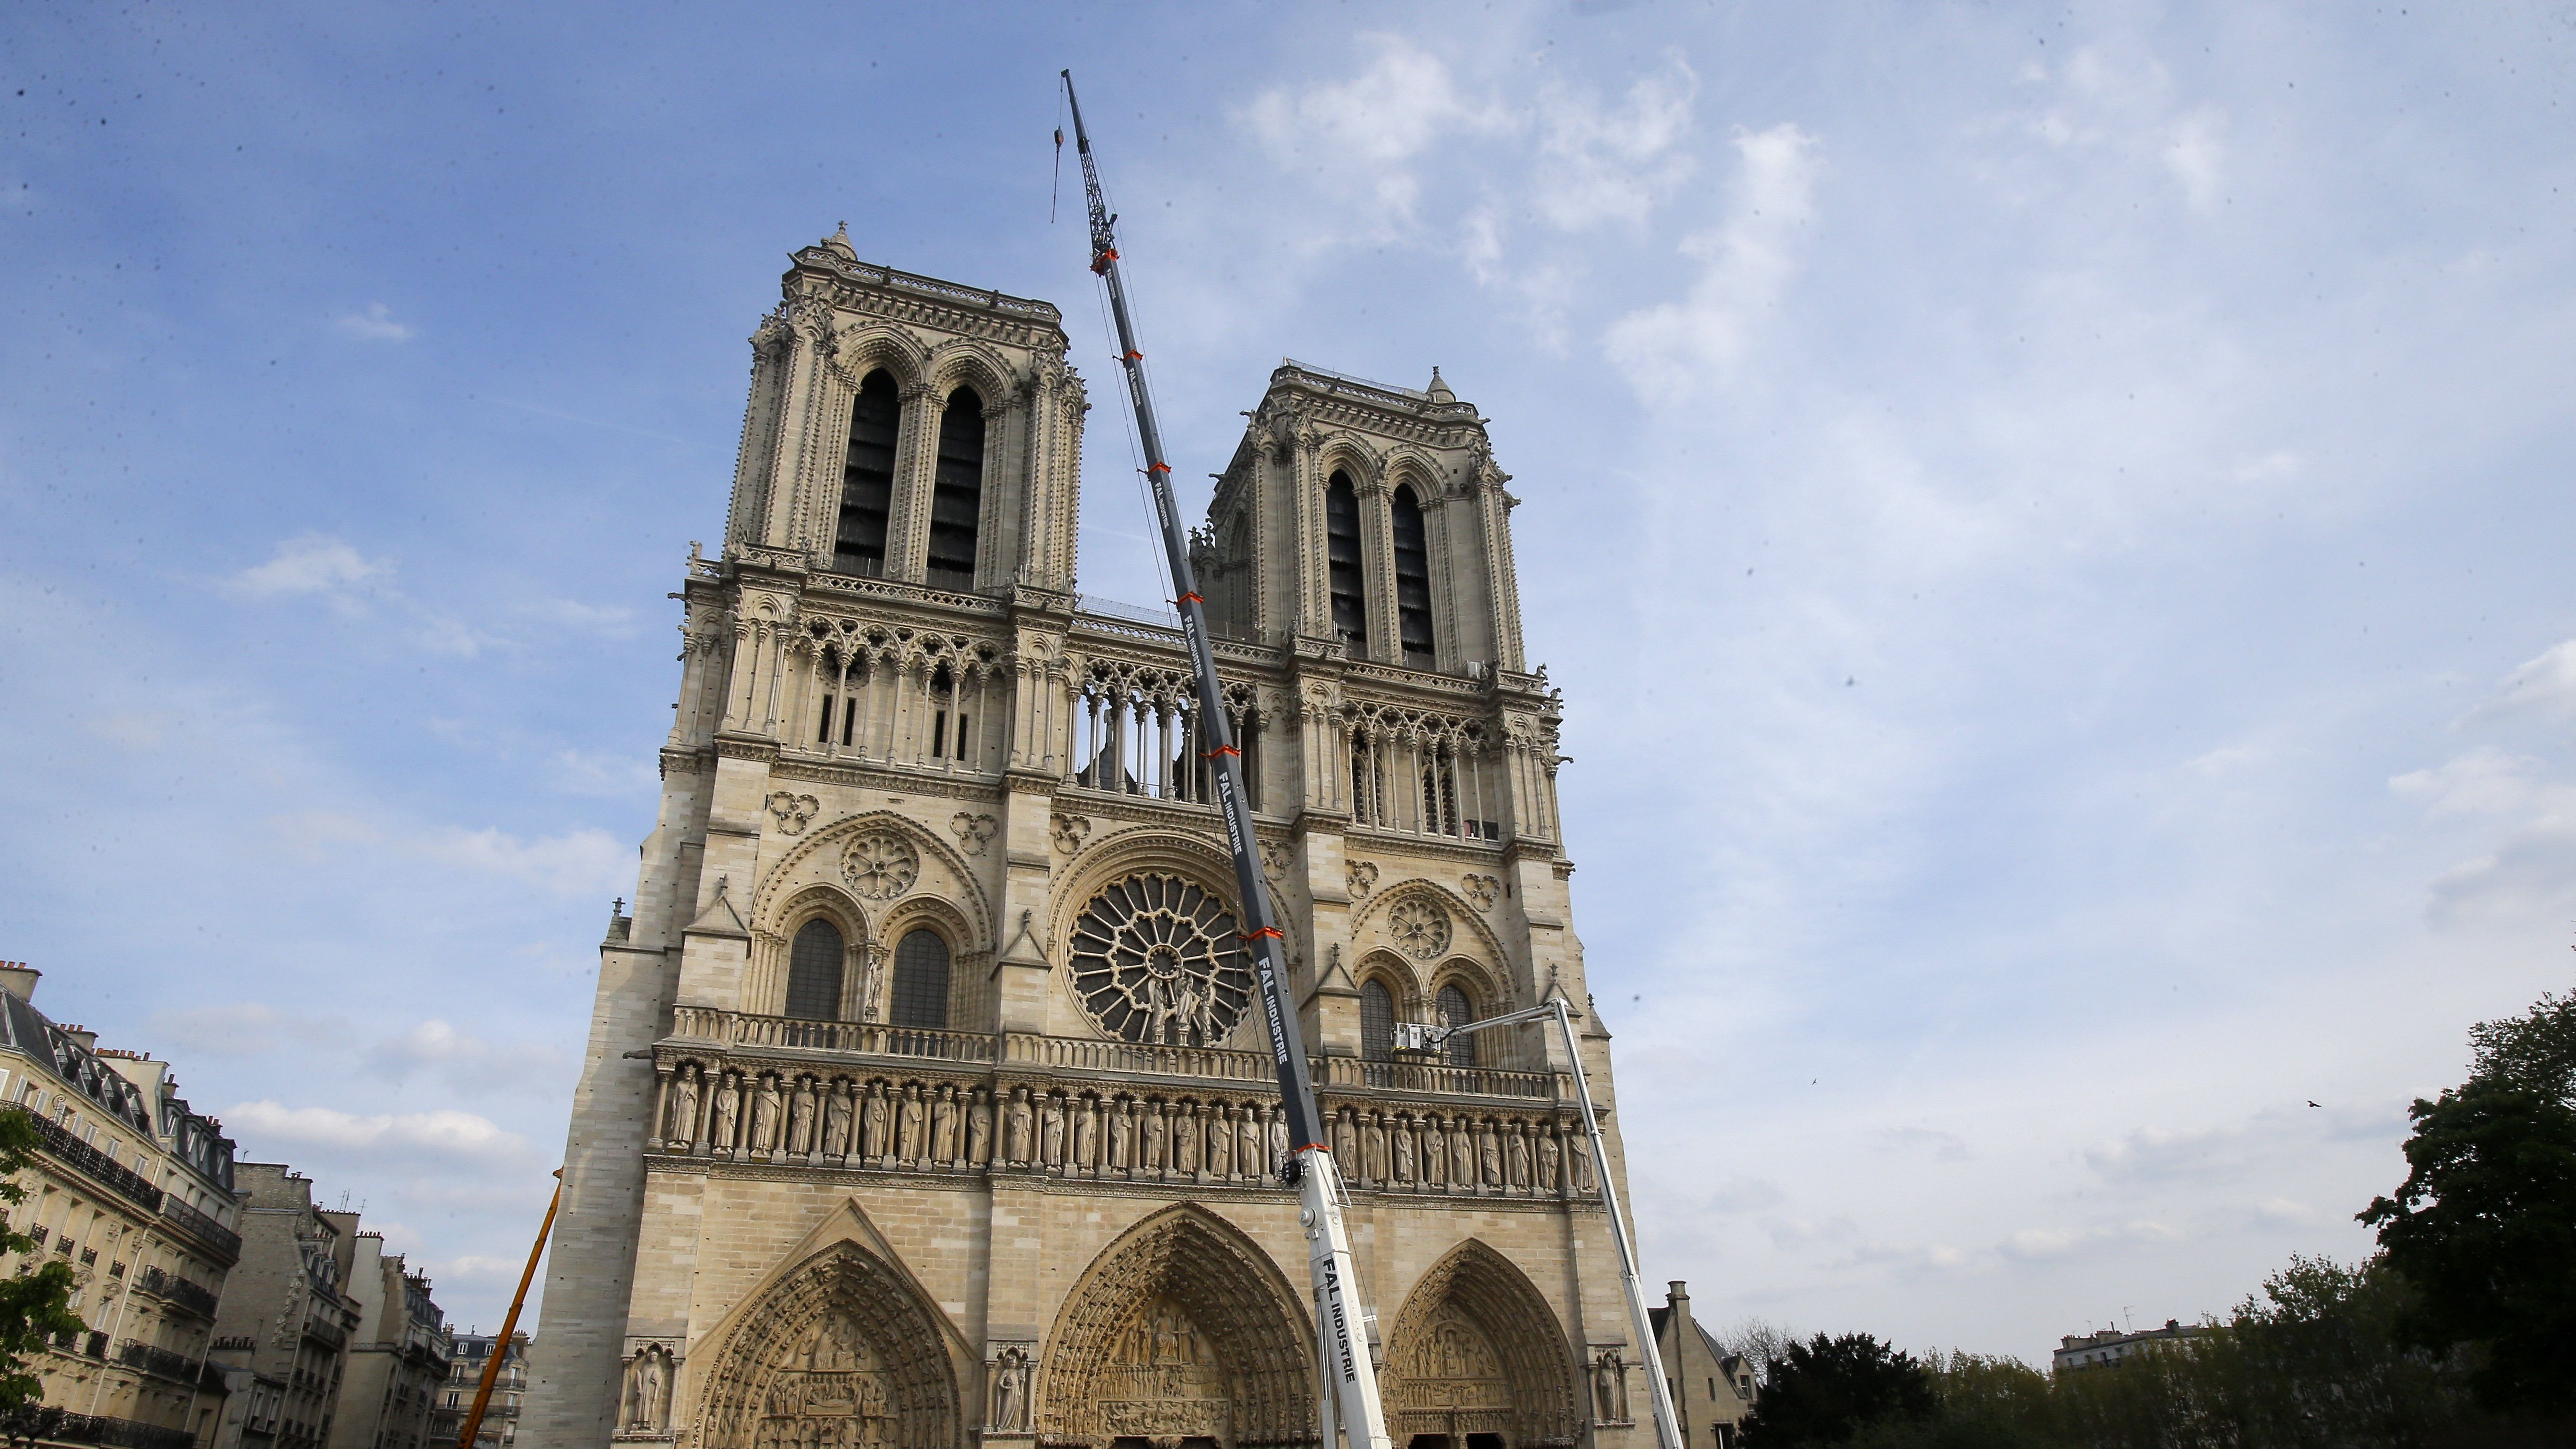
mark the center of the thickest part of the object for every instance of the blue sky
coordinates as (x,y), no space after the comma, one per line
(2051,523)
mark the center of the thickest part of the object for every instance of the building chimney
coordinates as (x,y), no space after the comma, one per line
(19,979)
(86,1037)
(1676,1291)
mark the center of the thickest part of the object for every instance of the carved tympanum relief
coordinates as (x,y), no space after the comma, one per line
(842,1354)
(1157,959)
(881,865)
(1476,1351)
(1181,1329)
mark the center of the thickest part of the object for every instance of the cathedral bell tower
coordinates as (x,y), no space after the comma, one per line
(924,1105)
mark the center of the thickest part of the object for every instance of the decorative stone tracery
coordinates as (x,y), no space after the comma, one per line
(1157,959)
(842,1354)
(1181,1329)
(1476,1351)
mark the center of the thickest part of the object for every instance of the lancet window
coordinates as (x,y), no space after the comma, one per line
(1136,732)
(1377,1022)
(957,492)
(1412,580)
(814,972)
(1457,1010)
(899,696)
(921,980)
(867,478)
(1425,774)
(1342,563)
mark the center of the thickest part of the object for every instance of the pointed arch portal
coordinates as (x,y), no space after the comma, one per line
(1181,1333)
(843,1352)
(1476,1360)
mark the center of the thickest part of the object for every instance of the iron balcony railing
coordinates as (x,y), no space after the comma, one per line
(205,1230)
(58,1426)
(72,1152)
(153,1360)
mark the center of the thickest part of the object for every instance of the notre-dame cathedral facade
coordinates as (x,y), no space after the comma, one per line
(922,1106)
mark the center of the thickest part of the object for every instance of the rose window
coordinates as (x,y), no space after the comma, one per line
(881,866)
(1419,926)
(1156,959)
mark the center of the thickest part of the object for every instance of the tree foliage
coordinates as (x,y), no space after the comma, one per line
(1822,1391)
(35,1305)
(2484,1226)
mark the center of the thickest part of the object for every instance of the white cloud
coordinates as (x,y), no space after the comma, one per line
(579,862)
(1675,353)
(470,1063)
(597,772)
(2543,689)
(2197,156)
(615,621)
(372,323)
(1359,137)
(312,563)
(459,1134)
(2485,781)
(239,1028)
(1614,164)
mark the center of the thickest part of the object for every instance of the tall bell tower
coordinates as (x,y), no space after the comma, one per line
(923,1105)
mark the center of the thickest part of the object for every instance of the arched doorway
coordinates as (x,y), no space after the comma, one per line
(841,1354)
(1181,1335)
(1477,1362)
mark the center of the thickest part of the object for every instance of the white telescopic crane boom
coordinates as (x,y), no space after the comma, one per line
(1348,1396)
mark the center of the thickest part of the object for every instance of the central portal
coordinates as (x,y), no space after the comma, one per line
(1181,1336)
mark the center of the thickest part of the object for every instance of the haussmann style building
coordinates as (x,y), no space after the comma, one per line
(922,1106)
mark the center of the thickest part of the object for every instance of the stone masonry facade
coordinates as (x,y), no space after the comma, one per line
(923,1104)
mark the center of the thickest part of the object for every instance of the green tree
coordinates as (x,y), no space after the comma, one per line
(1824,1390)
(35,1305)
(2484,1228)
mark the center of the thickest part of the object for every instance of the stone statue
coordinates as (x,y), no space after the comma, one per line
(1489,1155)
(682,1129)
(872,1123)
(1403,1149)
(943,1125)
(1517,1166)
(1435,1152)
(1548,1162)
(1051,1132)
(1121,1127)
(728,1108)
(871,980)
(1373,1147)
(907,1125)
(765,1112)
(648,1400)
(1186,1137)
(1220,1153)
(800,1119)
(1247,1154)
(1156,1129)
(1578,1155)
(1011,1392)
(979,1130)
(836,1123)
(1086,1126)
(1610,1387)
(1016,1131)
(1278,1136)
(1346,1152)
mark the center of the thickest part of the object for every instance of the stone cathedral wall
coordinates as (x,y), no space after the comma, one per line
(819,1196)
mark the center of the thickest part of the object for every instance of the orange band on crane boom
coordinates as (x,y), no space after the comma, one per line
(1271,931)
(1221,750)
